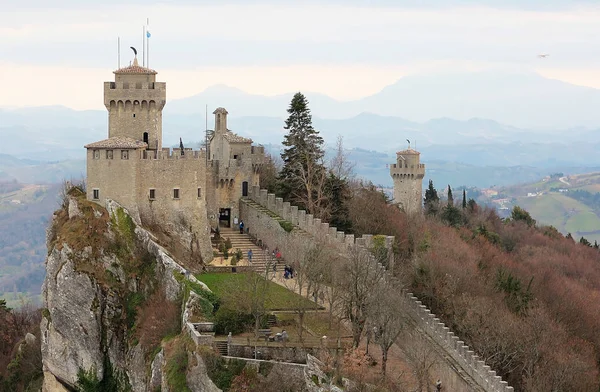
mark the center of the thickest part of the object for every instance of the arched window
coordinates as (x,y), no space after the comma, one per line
(146,137)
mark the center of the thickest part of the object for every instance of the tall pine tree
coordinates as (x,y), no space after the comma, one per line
(432,200)
(303,174)
(450,197)
(464,200)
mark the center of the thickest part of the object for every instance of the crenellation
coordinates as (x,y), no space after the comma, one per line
(279,206)
(287,211)
(263,197)
(271,202)
(302,219)
(294,215)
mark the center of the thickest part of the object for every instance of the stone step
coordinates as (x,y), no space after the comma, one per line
(221,347)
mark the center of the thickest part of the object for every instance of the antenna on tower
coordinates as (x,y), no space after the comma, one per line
(143,46)
(206,132)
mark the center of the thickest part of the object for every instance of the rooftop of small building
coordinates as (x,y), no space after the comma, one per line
(235,138)
(135,68)
(117,142)
(408,151)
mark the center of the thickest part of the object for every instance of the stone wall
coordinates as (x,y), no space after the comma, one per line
(265,225)
(295,355)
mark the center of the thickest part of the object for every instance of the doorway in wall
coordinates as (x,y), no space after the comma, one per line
(244,188)
(225,217)
(146,138)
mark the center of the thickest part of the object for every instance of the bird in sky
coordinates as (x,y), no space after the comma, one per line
(543,55)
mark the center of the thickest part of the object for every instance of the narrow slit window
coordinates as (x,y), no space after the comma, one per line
(199,192)
(176,193)
(96,194)
(152,194)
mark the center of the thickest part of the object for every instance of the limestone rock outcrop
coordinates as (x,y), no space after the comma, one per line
(99,262)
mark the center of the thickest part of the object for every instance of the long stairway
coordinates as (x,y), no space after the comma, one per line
(260,258)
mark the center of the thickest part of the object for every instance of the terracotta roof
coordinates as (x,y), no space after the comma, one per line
(233,138)
(118,142)
(409,151)
(135,69)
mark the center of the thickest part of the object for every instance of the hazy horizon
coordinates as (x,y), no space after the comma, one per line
(60,55)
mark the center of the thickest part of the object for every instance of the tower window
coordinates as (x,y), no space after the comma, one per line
(199,192)
(133,114)
(124,154)
(152,195)
(146,137)
(109,154)
(96,194)
(176,193)
(96,154)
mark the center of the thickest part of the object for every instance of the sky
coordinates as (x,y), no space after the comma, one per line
(59,52)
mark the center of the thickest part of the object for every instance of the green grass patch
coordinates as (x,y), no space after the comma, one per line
(278,297)
(584,221)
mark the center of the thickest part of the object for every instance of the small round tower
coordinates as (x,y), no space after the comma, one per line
(135,102)
(408,174)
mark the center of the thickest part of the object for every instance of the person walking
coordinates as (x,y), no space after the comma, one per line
(250,253)
(241,227)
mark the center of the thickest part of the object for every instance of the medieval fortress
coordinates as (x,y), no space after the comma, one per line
(198,189)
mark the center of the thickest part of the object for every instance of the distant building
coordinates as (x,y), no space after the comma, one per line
(408,174)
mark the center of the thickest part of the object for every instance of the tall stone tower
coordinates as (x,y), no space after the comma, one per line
(408,175)
(135,102)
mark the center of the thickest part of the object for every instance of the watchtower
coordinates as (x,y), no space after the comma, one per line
(135,102)
(408,174)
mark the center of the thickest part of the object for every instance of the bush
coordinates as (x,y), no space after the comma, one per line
(228,320)
(220,372)
(286,225)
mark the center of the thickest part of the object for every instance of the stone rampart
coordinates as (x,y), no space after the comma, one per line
(265,225)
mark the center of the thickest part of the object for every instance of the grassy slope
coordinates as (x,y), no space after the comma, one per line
(278,298)
(566,214)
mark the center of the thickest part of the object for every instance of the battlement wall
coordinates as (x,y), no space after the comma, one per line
(175,153)
(264,223)
(135,86)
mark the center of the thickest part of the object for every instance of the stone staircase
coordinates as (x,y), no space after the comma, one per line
(260,257)
(221,347)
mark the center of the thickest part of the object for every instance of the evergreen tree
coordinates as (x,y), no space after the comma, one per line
(450,197)
(432,200)
(464,200)
(302,178)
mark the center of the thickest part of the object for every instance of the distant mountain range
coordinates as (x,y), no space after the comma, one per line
(524,99)
(374,128)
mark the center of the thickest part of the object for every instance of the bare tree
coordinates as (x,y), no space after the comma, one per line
(339,165)
(360,275)
(421,356)
(387,317)
(249,296)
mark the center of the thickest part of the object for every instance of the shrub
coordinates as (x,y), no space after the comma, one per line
(229,320)
(286,225)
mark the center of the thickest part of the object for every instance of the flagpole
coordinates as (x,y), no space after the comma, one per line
(143,46)
(148,44)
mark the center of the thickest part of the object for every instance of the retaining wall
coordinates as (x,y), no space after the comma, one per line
(266,227)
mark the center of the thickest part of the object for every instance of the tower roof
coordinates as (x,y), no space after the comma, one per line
(120,142)
(135,68)
(408,151)
(220,110)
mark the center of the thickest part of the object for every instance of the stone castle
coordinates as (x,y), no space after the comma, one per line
(192,190)
(186,189)
(408,174)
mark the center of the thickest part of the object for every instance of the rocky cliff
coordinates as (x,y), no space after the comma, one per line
(110,296)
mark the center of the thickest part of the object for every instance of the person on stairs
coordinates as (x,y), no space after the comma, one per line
(241,227)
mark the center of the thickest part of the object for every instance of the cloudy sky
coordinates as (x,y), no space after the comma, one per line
(60,51)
